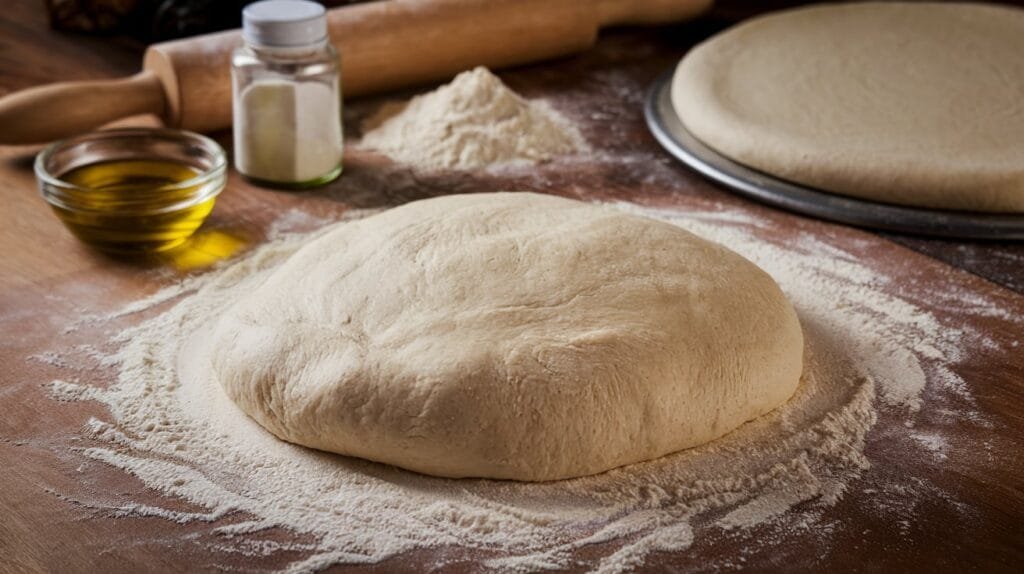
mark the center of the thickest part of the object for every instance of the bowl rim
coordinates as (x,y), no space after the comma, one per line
(217,170)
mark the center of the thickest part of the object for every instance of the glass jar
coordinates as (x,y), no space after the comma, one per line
(286,96)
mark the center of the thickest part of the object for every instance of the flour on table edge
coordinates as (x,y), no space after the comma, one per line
(379,512)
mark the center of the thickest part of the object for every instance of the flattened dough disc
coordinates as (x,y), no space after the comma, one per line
(915,104)
(670,133)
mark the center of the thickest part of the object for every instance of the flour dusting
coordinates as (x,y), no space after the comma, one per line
(172,427)
(473,122)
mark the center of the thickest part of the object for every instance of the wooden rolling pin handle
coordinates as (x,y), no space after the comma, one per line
(54,111)
(384,45)
(647,12)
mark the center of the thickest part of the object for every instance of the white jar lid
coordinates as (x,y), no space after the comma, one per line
(284,23)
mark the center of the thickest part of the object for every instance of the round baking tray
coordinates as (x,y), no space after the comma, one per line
(670,133)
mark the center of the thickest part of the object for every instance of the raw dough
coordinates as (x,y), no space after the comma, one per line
(509,335)
(917,104)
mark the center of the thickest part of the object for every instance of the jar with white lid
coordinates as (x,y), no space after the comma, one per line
(286,96)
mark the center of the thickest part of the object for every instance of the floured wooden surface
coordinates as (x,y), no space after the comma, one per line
(943,492)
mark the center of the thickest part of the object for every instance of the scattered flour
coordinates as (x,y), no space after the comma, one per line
(934,443)
(172,428)
(293,220)
(50,358)
(162,296)
(62,390)
(473,122)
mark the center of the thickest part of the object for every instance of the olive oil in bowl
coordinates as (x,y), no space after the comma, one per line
(138,197)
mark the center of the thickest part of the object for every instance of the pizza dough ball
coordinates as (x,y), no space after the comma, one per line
(919,104)
(508,335)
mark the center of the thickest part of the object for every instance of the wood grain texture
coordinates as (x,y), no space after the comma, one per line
(47,280)
(384,45)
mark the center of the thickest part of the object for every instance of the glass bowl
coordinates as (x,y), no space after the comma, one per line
(132,190)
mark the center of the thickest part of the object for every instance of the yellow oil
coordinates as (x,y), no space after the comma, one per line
(129,206)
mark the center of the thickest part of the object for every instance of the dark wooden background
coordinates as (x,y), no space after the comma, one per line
(47,278)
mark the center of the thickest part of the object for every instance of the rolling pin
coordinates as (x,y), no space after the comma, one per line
(383,45)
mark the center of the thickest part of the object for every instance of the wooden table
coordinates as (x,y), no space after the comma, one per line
(47,279)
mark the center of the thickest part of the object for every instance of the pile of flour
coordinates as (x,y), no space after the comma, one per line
(172,427)
(473,122)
